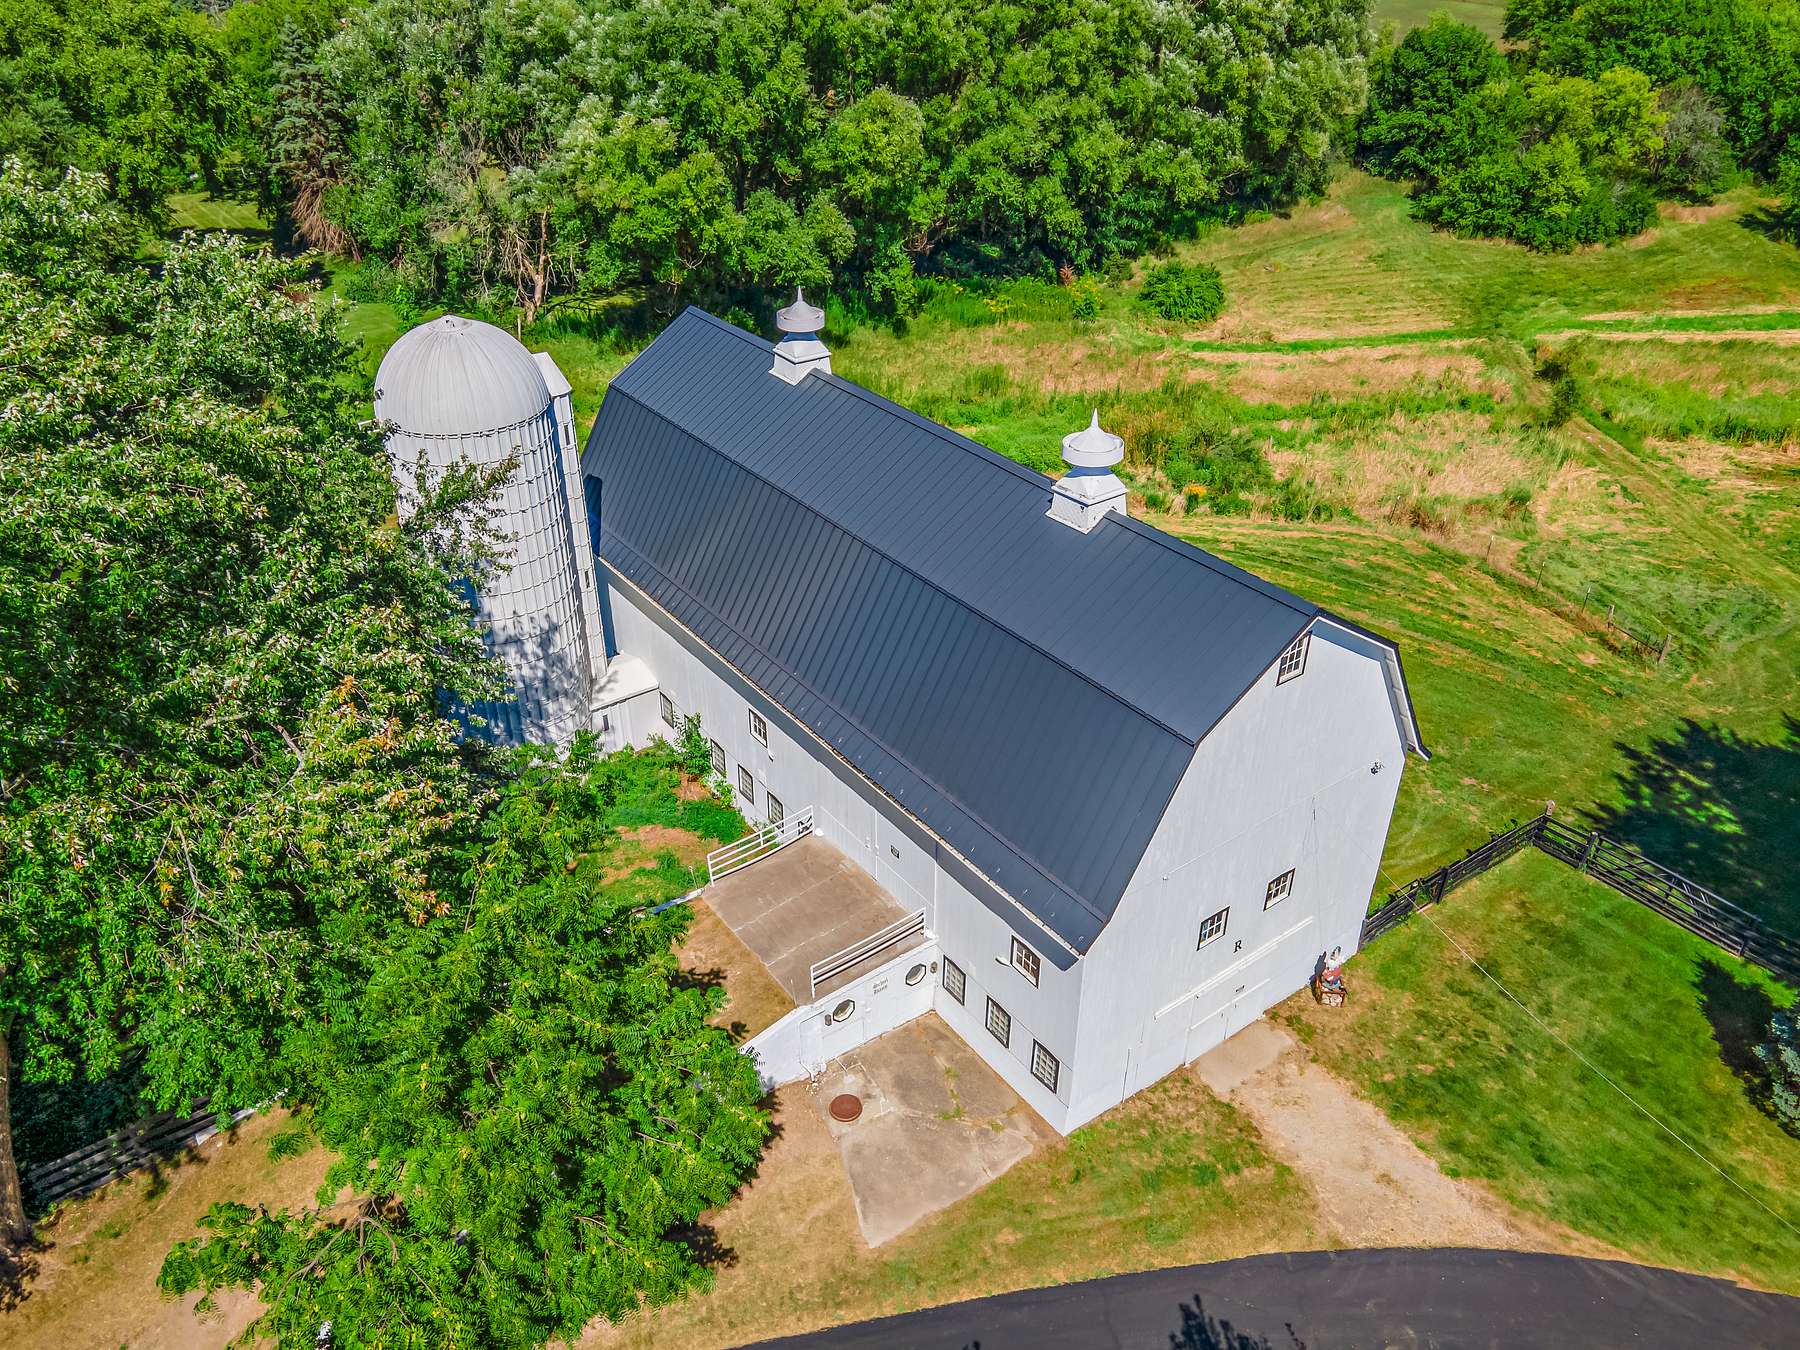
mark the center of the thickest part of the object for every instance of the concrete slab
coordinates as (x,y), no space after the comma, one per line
(937,1124)
(801,905)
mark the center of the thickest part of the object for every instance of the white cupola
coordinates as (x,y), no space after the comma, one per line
(800,352)
(1082,496)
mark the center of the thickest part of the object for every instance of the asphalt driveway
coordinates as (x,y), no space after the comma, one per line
(1352,1300)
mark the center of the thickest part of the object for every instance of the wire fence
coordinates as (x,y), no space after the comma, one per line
(1620,866)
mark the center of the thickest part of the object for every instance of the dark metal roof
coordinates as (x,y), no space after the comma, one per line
(1030,693)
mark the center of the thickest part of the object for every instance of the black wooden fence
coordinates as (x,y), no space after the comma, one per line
(1624,869)
(122,1152)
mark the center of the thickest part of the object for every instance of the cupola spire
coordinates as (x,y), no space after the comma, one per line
(1082,496)
(800,352)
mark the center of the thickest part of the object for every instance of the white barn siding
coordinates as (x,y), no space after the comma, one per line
(1283,781)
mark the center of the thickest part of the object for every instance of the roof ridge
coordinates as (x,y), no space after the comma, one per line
(912,571)
(1142,529)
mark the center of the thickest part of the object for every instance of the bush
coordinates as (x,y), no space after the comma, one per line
(1194,293)
(1084,298)
(1780,1055)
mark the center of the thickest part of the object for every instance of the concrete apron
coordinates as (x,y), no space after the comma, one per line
(937,1124)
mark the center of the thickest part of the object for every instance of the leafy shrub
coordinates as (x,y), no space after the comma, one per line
(694,749)
(1084,298)
(1193,293)
(1694,160)
(1780,1055)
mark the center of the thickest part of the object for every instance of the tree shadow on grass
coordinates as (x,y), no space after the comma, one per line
(1722,810)
(1740,1015)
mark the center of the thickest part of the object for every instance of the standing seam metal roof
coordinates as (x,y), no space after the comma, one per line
(1030,693)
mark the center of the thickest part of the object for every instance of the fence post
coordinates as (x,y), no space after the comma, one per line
(1663,650)
(1588,850)
(1438,884)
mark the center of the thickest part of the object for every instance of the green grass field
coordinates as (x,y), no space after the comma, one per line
(1405,15)
(1492,1096)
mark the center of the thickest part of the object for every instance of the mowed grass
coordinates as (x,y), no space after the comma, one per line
(1356,264)
(1487,15)
(1172,1177)
(1493,1096)
(200,211)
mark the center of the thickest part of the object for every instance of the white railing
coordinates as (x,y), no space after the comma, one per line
(759,843)
(892,936)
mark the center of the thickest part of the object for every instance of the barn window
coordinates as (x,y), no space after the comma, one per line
(999,1023)
(777,812)
(1213,926)
(1278,889)
(758,727)
(668,709)
(1024,960)
(1293,660)
(1044,1067)
(718,758)
(746,786)
(956,984)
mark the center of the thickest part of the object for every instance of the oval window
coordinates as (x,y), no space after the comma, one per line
(916,974)
(843,1010)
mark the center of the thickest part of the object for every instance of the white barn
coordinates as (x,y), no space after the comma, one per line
(1126,794)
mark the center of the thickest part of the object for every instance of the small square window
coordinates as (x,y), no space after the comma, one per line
(718,758)
(1044,1067)
(758,727)
(1024,960)
(956,984)
(999,1023)
(746,786)
(668,709)
(777,812)
(1214,926)
(1278,889)
(1293,660)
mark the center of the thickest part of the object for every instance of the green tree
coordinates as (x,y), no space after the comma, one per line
(527,1101)
(134,89)
(223,770)
(1418,92)
(536,154)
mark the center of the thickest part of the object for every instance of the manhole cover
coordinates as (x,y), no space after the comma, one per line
(846,1108)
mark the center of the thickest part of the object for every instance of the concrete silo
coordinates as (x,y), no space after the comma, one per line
(457,390)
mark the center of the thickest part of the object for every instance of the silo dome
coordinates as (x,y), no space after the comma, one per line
(454,376)
(456,390)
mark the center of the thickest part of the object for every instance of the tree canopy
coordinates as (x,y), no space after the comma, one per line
(526,1101)
(222,762)
(137,90)
(731,149)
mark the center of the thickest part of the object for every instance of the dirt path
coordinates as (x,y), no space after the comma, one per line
(1376,1188)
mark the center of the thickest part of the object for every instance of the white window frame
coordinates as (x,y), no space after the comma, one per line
(718,758)
(746,786)
(1224,918)
(1004,1034)
(1039,1058)
(957,988)
(1279,889)
(668,708)
(1292,664)
(759,729)
(1025,961)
